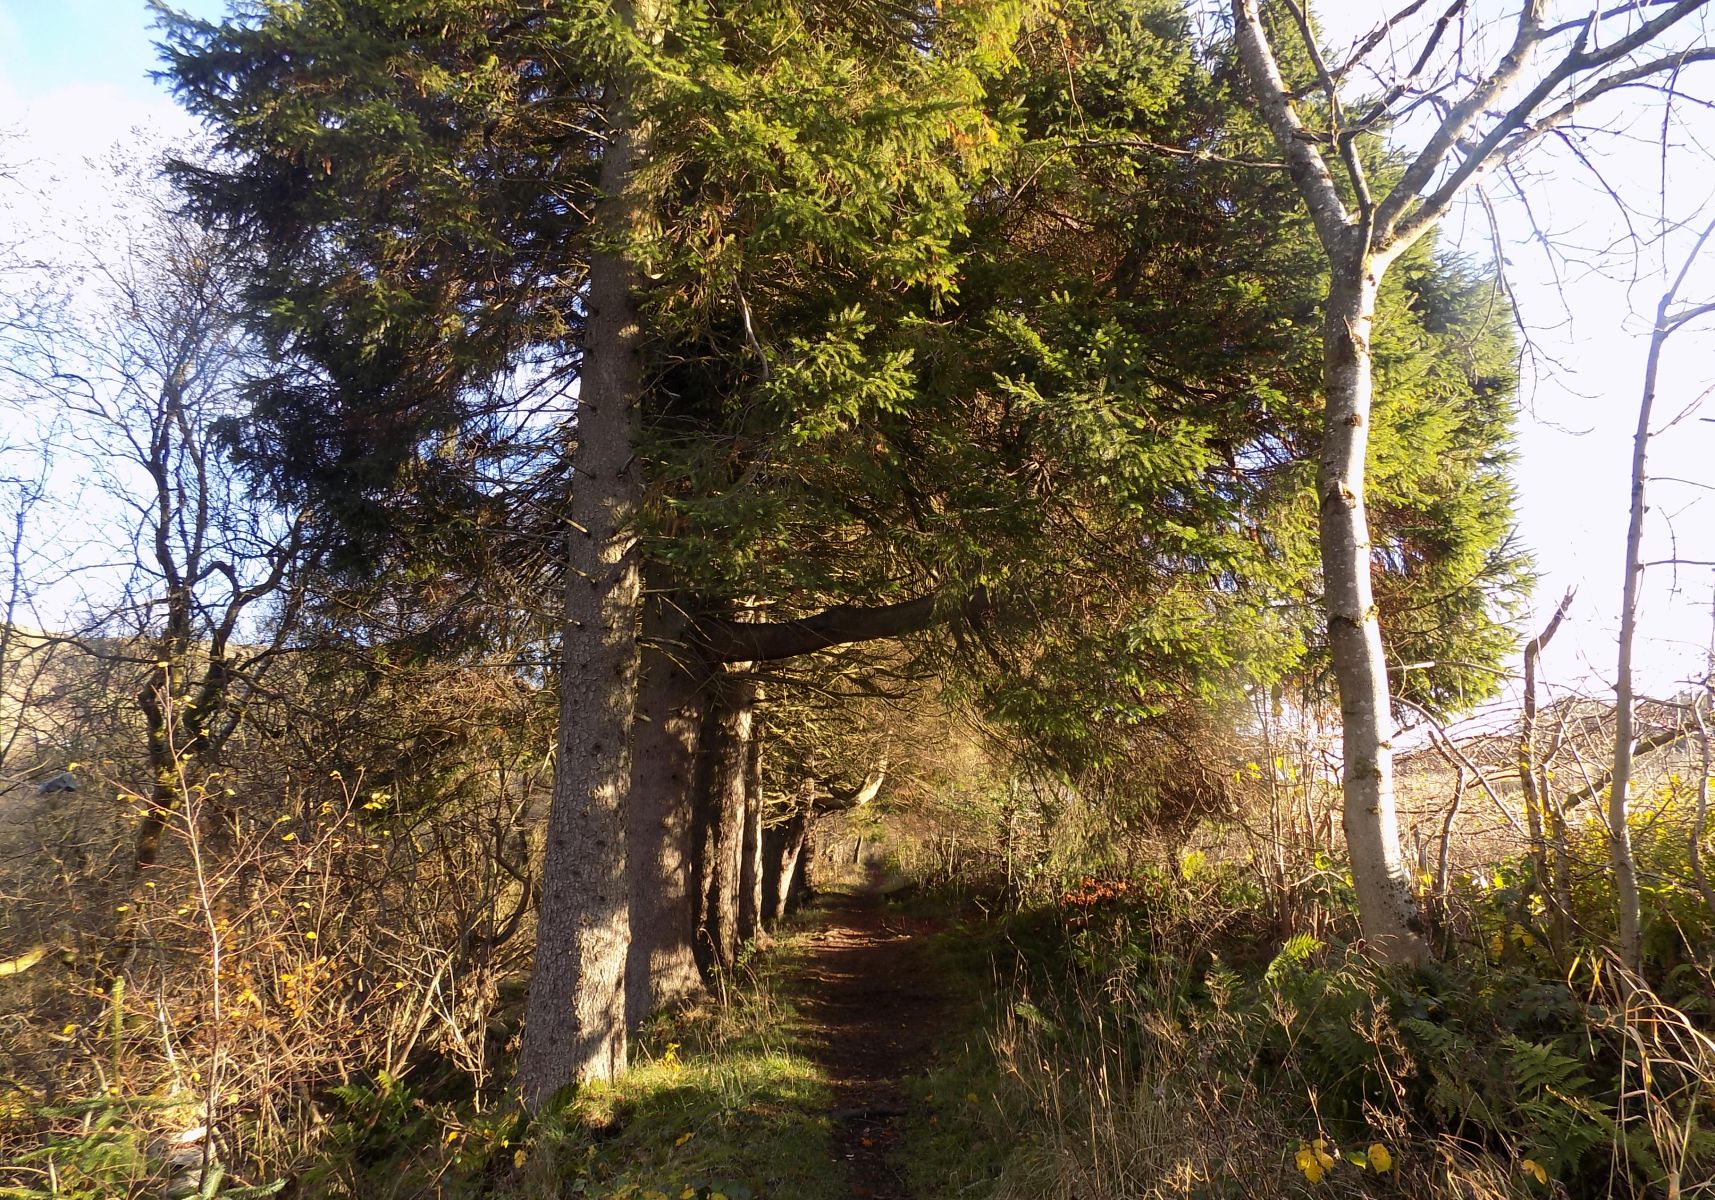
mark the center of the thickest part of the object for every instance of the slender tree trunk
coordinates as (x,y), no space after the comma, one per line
(661,968)
(1391,921)
(750,849)
(173,732)
(1625,731)
(785,851)
(575,1017)
(1700,823)
(1529,776)
(801,888)
(164,793)
(720,820)
(1667,323)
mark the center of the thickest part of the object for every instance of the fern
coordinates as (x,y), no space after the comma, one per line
(1293,957)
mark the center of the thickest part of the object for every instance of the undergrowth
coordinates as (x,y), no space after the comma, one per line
(1153,1037)
(720,1102)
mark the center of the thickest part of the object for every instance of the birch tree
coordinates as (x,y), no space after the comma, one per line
(1672,314)
(1454,123)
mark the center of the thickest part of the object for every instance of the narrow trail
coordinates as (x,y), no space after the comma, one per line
(879,1010)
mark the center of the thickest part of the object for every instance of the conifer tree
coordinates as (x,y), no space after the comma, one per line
(449,201)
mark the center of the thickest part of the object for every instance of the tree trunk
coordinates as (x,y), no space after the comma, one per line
(720,821)
(1667,323)
(1620,781)
(165,794)
(750,850)
(784,848)
(1391,921)
(1529,772)
(800,889)
(1700,822)
(575,1017)
(661,968)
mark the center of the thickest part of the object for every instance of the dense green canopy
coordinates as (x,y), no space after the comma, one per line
(939,300)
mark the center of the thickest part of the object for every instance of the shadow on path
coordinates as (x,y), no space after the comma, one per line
(878,1012)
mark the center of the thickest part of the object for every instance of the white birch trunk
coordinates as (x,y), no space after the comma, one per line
(1388,910)
(1625,731)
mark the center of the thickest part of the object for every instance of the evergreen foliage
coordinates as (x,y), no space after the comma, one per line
(931,310)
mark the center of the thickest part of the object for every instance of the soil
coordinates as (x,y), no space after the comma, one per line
(878,1013)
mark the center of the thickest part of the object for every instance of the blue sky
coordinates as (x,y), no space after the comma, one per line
(74,74)
(74,83)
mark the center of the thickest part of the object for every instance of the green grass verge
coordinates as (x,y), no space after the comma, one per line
(722,1100)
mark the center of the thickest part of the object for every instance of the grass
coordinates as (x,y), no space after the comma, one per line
(721,1101)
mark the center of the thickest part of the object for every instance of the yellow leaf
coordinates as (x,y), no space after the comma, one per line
(1381,1162)
(1532,1167)
(1323,1158)
(688,1194)
(518,1157)
(26,960)
(683,1138)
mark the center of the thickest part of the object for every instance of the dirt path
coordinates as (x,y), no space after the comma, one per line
(879,1012)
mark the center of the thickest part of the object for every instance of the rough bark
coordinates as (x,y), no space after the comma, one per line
(719,812)
(661,968)
(1388,910)
(575,1016)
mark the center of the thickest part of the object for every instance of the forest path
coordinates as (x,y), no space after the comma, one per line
(877,1006)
